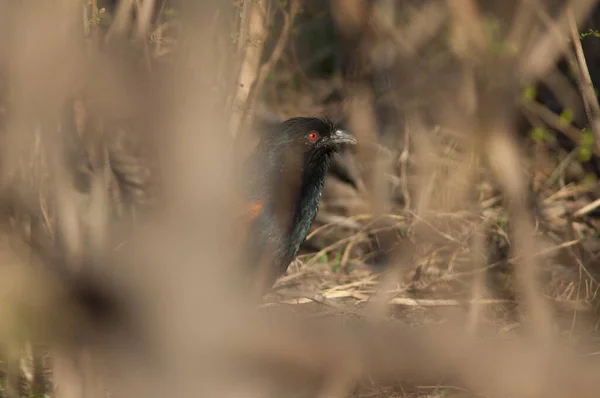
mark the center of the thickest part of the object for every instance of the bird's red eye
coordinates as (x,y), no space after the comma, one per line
(313,135)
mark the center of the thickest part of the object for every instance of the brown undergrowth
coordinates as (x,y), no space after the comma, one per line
(460,259)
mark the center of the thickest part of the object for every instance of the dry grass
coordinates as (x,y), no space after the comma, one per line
(465,261)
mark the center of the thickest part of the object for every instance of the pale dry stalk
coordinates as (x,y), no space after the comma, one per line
(269,65)
(541,55)
(478,258)
(144,17)
(586,86)
(504,160)
(252,35)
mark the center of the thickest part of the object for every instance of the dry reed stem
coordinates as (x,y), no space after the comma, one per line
(504,160)
(553,120)
(268,66)
(476,312)
(253,33)
(144,16)
(541,55)
(590,101)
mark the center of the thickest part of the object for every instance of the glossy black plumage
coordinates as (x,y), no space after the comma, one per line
(285,174)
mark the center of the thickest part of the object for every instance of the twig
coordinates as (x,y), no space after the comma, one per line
(346,256)
(544,52)
(587,208)
(328,249)
(144,17)
(244,25)
(331,220)
(554,121)
(405,301)
(560,169)
(144,11)
(502,155)
(590,101)
(404,156)
(320,298)
(250,47)
(478,285)
(265,69)
(94,11)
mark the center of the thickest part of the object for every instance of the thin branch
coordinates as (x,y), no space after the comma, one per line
(244,25)
(144,9)
(267,67)
(253,31)
(553,120)
(548,48)
(590,101)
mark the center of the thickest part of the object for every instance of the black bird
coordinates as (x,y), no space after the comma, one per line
(283,179)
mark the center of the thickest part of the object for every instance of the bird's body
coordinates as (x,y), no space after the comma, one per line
(283,179)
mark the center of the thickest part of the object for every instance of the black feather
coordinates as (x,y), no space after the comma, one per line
(287,171)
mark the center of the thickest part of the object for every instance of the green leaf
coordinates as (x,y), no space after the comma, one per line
(584,154)
(502,220)
(590,32)
(549,136)
(529,92)
(587,138)
(538,134)
(170,12)
(338,258)
(566,117)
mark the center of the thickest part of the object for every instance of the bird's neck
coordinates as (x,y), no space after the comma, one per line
(304,193)
(307,203)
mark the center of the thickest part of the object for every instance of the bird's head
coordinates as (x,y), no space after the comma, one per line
(309,141)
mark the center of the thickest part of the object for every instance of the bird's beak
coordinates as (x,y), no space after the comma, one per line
(342,137)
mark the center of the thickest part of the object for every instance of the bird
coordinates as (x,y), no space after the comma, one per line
(282,182)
